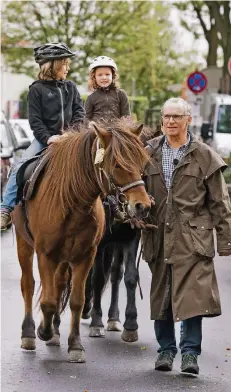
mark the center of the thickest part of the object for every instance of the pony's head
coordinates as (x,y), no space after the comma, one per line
(74,179)
(120,159)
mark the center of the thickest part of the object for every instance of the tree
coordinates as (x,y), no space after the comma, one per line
(214,19)
(221,10)
(201,22)
(137,34)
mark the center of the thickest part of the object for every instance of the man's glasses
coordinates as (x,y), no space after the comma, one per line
(175,117)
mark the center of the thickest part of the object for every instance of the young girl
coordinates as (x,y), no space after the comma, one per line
(107,101)
(54,104)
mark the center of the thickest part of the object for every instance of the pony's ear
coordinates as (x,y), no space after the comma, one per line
(103,135)
(138,129)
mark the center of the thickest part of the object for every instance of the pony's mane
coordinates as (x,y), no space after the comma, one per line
(125,149)
(70,174)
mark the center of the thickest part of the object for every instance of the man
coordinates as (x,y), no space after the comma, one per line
(191,199)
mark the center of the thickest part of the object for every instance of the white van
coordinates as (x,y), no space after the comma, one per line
(220,124)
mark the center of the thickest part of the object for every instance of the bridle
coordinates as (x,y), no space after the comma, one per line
(117,190)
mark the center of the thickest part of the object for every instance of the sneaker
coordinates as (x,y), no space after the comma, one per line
(5,220)
(189,364)
(164,361)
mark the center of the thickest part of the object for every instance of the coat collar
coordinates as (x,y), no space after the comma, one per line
(155,147)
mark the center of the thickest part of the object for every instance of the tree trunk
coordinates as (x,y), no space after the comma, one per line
(213,41)
(223,24)
(226,75)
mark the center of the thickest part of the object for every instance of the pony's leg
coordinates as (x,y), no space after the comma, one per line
(116,276)
(130,332)
(25,256)
(88,297)
(48,302)
(61,279)
(99,279)
(80,272)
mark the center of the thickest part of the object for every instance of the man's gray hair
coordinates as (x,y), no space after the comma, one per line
(178,101)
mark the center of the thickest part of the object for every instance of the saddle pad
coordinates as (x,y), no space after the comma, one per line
(28,175)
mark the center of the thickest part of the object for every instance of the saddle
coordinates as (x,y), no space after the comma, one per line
(27,180)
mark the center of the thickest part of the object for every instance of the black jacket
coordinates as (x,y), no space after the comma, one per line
(52,107)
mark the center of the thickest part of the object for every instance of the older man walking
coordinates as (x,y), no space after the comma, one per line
(185,178)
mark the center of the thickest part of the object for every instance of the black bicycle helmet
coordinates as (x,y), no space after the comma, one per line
(52,51)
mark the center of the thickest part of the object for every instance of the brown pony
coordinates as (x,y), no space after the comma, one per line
(66,219)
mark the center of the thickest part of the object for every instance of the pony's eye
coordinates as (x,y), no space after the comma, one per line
(117,166)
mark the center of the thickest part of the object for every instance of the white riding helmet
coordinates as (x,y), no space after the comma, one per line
(102,61)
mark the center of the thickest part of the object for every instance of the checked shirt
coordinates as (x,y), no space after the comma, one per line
(168,155)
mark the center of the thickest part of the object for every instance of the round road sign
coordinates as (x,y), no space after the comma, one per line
(197,82)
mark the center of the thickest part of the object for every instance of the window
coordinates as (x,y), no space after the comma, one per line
(19,132)
(224,119)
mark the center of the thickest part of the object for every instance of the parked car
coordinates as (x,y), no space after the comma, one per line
(5,168)
(12,148)
(23,135)
(22,128)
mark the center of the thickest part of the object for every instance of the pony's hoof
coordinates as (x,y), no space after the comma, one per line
(44,336)
(86,316)
(97,332)
(114,326)
(129,336)
(28,343)
(55,340)
(77,356)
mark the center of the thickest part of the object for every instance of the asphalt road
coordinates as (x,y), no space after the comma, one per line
(112,365)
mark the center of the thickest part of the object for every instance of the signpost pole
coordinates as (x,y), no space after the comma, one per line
(197,83)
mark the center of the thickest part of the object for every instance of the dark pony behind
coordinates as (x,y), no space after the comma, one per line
(117,255)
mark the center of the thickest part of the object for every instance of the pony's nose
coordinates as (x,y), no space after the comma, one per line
(139,207)
(141,210)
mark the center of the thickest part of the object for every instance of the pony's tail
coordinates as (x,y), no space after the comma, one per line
(38,296)
(107,264)
(66,293)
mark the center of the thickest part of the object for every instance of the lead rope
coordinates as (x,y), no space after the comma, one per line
(137,268)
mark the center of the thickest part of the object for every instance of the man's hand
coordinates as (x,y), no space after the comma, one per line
(53,139)
(225,253)
(152,200)
(139,224)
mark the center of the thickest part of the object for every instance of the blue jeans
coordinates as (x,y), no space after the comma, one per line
(191,337)
(10,193)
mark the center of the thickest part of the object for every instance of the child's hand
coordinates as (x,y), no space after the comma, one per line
(53,139)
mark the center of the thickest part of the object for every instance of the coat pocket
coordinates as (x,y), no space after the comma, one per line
(149,242)
(202,237)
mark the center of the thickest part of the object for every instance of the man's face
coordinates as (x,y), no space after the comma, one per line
(175,120)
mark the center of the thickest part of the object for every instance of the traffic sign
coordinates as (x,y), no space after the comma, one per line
(229,66)
(197,82)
